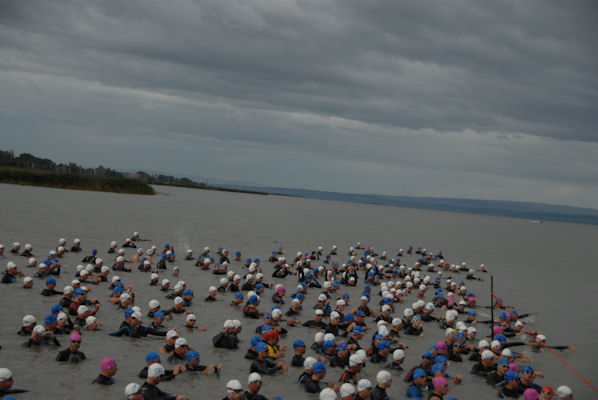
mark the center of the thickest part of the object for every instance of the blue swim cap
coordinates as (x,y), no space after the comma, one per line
(273,252)
(341,346)
(50,319)
(437,368)
(267,315)
(259,286)
(357,329)
(460,335)
(503,361)
(166,246)
(510,375)
(56,308)
(188,292)
(360,314)
(383,344)
(79,291)
(192,354)
(428,355)
(50,281)
(349,317)
(300,296)
(503,315)
(328,344)
(434,347)
(151,356)
(298,343)
(527,368)
(237,253)
(255,340)
(309,276)
(248,260)
(211,258)
(94,251)
(440,360)
(501,338)
(253,299)
(129,312)
(266,328)
(238,295)
(387,300)
(276,307)
(471,313)
(378,337)
(159,314)
(143,259)
(164,256)
(261,346)
(319,367)
(418,373)
(219,247)
(117,290)
(366,288)
(440,296)
(346,296)
(257,260)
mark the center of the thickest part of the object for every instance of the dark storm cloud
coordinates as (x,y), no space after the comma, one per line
(472,88)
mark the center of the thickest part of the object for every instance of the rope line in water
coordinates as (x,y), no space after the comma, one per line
(544,344)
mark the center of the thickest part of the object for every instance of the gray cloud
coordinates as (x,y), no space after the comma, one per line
(482,99)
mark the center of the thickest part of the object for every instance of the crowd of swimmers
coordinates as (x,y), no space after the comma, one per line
(348,334)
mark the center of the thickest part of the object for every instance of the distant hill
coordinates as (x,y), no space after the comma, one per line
(515,209)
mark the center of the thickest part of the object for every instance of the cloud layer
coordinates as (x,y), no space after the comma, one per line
(457,99)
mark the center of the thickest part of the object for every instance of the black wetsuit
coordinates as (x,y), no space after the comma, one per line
(68,355)
(225,340)
(263,366)
(137,332)
(151,392)
(297,360)
(312,386)
(313,324)
(251,396)
(103,380)
(379,393)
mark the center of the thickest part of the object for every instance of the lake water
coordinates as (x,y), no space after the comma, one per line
(549,268)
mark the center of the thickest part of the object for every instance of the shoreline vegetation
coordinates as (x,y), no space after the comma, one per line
(27,169)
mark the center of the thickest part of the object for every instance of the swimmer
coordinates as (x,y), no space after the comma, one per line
(109,369)
(11,273)
(150,387)
(154,358)
(193,364)
(72,353)
(262,364)
(6,382)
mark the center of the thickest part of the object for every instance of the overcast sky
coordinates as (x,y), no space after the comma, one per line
(475,99)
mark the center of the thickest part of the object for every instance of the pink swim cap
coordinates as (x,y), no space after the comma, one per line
(496,329)
(472,299)
(281,289)
(530,394)
(439,381)
(107,363)
(450,299)
(442,347)
(513,367)
(75,336)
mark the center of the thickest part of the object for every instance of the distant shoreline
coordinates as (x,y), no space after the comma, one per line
(35,177)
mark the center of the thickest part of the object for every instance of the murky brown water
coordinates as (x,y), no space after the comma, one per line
(547,267)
